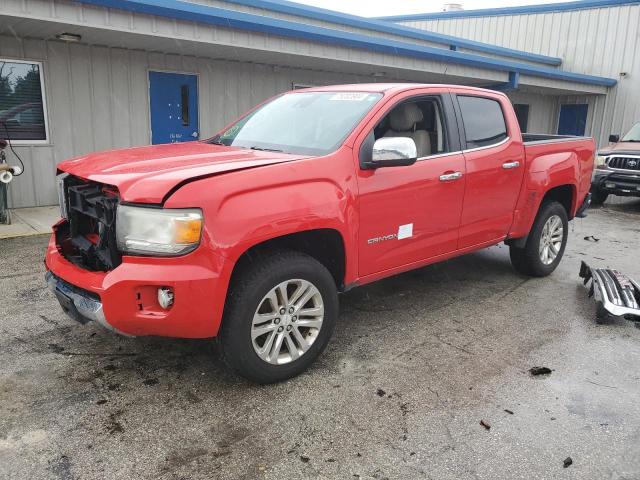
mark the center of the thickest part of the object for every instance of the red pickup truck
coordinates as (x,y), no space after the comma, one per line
(250,235)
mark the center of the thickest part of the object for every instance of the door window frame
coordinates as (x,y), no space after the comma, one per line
(43,93)
(463,133)
(196,74)
(448,120)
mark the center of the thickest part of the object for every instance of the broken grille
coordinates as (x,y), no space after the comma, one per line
(88,237)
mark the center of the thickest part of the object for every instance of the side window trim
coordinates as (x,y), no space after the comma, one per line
(449,125)
(463,136)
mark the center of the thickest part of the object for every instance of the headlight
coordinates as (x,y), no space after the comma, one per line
(158,231)
(601,161)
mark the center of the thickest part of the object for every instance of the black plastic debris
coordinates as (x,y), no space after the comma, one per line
(567,462)
(535,371)
(591,238)
(485,425)
(508,411)
(380,392)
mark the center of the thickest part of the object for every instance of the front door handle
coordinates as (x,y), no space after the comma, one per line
(448,177)
(510,165)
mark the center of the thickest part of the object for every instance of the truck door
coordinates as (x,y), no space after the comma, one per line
(494,168)
(411,213)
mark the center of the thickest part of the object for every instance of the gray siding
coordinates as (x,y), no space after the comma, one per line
(542,111)
(599,41)
(97,99)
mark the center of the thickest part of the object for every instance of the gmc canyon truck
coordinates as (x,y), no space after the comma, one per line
(250,235)
(618,167)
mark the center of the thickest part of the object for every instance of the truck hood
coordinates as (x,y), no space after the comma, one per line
(148,174)
(631,148)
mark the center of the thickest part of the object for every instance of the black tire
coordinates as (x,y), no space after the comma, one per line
(598,197)
(527,260)
(249,287)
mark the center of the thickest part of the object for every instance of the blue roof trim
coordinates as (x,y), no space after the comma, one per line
(528,9)
(197,13)
(292,8)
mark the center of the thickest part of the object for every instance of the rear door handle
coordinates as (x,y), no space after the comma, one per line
(448,177)
(510,165)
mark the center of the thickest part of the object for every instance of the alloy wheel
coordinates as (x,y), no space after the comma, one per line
(287,321)
(551,239)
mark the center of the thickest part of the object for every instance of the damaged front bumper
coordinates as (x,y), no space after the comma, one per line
(81,305)
(615,294)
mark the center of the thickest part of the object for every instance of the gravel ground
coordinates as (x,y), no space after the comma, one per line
(417,361)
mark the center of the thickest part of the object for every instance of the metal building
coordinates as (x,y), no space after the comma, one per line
(595,37)
(83,75)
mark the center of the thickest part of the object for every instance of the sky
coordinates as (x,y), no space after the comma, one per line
(375,8)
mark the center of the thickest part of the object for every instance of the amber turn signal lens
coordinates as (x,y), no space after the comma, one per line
(188,230)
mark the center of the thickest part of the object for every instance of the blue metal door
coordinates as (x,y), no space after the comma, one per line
(174,107)
(573,119)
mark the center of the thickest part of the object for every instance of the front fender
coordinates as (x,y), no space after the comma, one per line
(245,208)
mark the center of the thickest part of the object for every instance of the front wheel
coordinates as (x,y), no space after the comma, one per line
(598,197)
(279,317)
(546,242)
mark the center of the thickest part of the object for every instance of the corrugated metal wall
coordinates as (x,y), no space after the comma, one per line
(542,110)
(97,99)
(599,41)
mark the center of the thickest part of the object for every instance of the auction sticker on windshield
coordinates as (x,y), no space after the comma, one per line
(349,96)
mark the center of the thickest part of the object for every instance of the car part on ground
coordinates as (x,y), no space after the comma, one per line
(616,294)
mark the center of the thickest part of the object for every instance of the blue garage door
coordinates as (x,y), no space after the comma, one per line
(573,119)
(174,107)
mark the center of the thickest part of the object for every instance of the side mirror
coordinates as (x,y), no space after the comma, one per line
(393,152)
(614,138)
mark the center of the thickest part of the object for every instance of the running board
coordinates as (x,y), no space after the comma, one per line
(615,294)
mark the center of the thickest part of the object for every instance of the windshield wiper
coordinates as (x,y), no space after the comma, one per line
(265,149)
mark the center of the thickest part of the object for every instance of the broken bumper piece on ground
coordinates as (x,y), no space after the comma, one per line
(616,295)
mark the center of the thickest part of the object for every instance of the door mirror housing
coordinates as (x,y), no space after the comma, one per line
(392,152)
(614,138)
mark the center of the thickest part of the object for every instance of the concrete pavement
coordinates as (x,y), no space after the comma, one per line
(417,361)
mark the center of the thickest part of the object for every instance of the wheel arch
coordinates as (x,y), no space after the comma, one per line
(565,194)
(326,245)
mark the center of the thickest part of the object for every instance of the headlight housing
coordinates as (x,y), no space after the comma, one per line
(158,231)
(601,161)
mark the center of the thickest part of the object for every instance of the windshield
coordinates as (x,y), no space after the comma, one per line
(633,135)
(311,123)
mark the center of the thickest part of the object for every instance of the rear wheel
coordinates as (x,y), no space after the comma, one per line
(598,197)
(545,244)
(280,315)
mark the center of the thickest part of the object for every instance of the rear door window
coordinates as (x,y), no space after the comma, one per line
(483,120)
